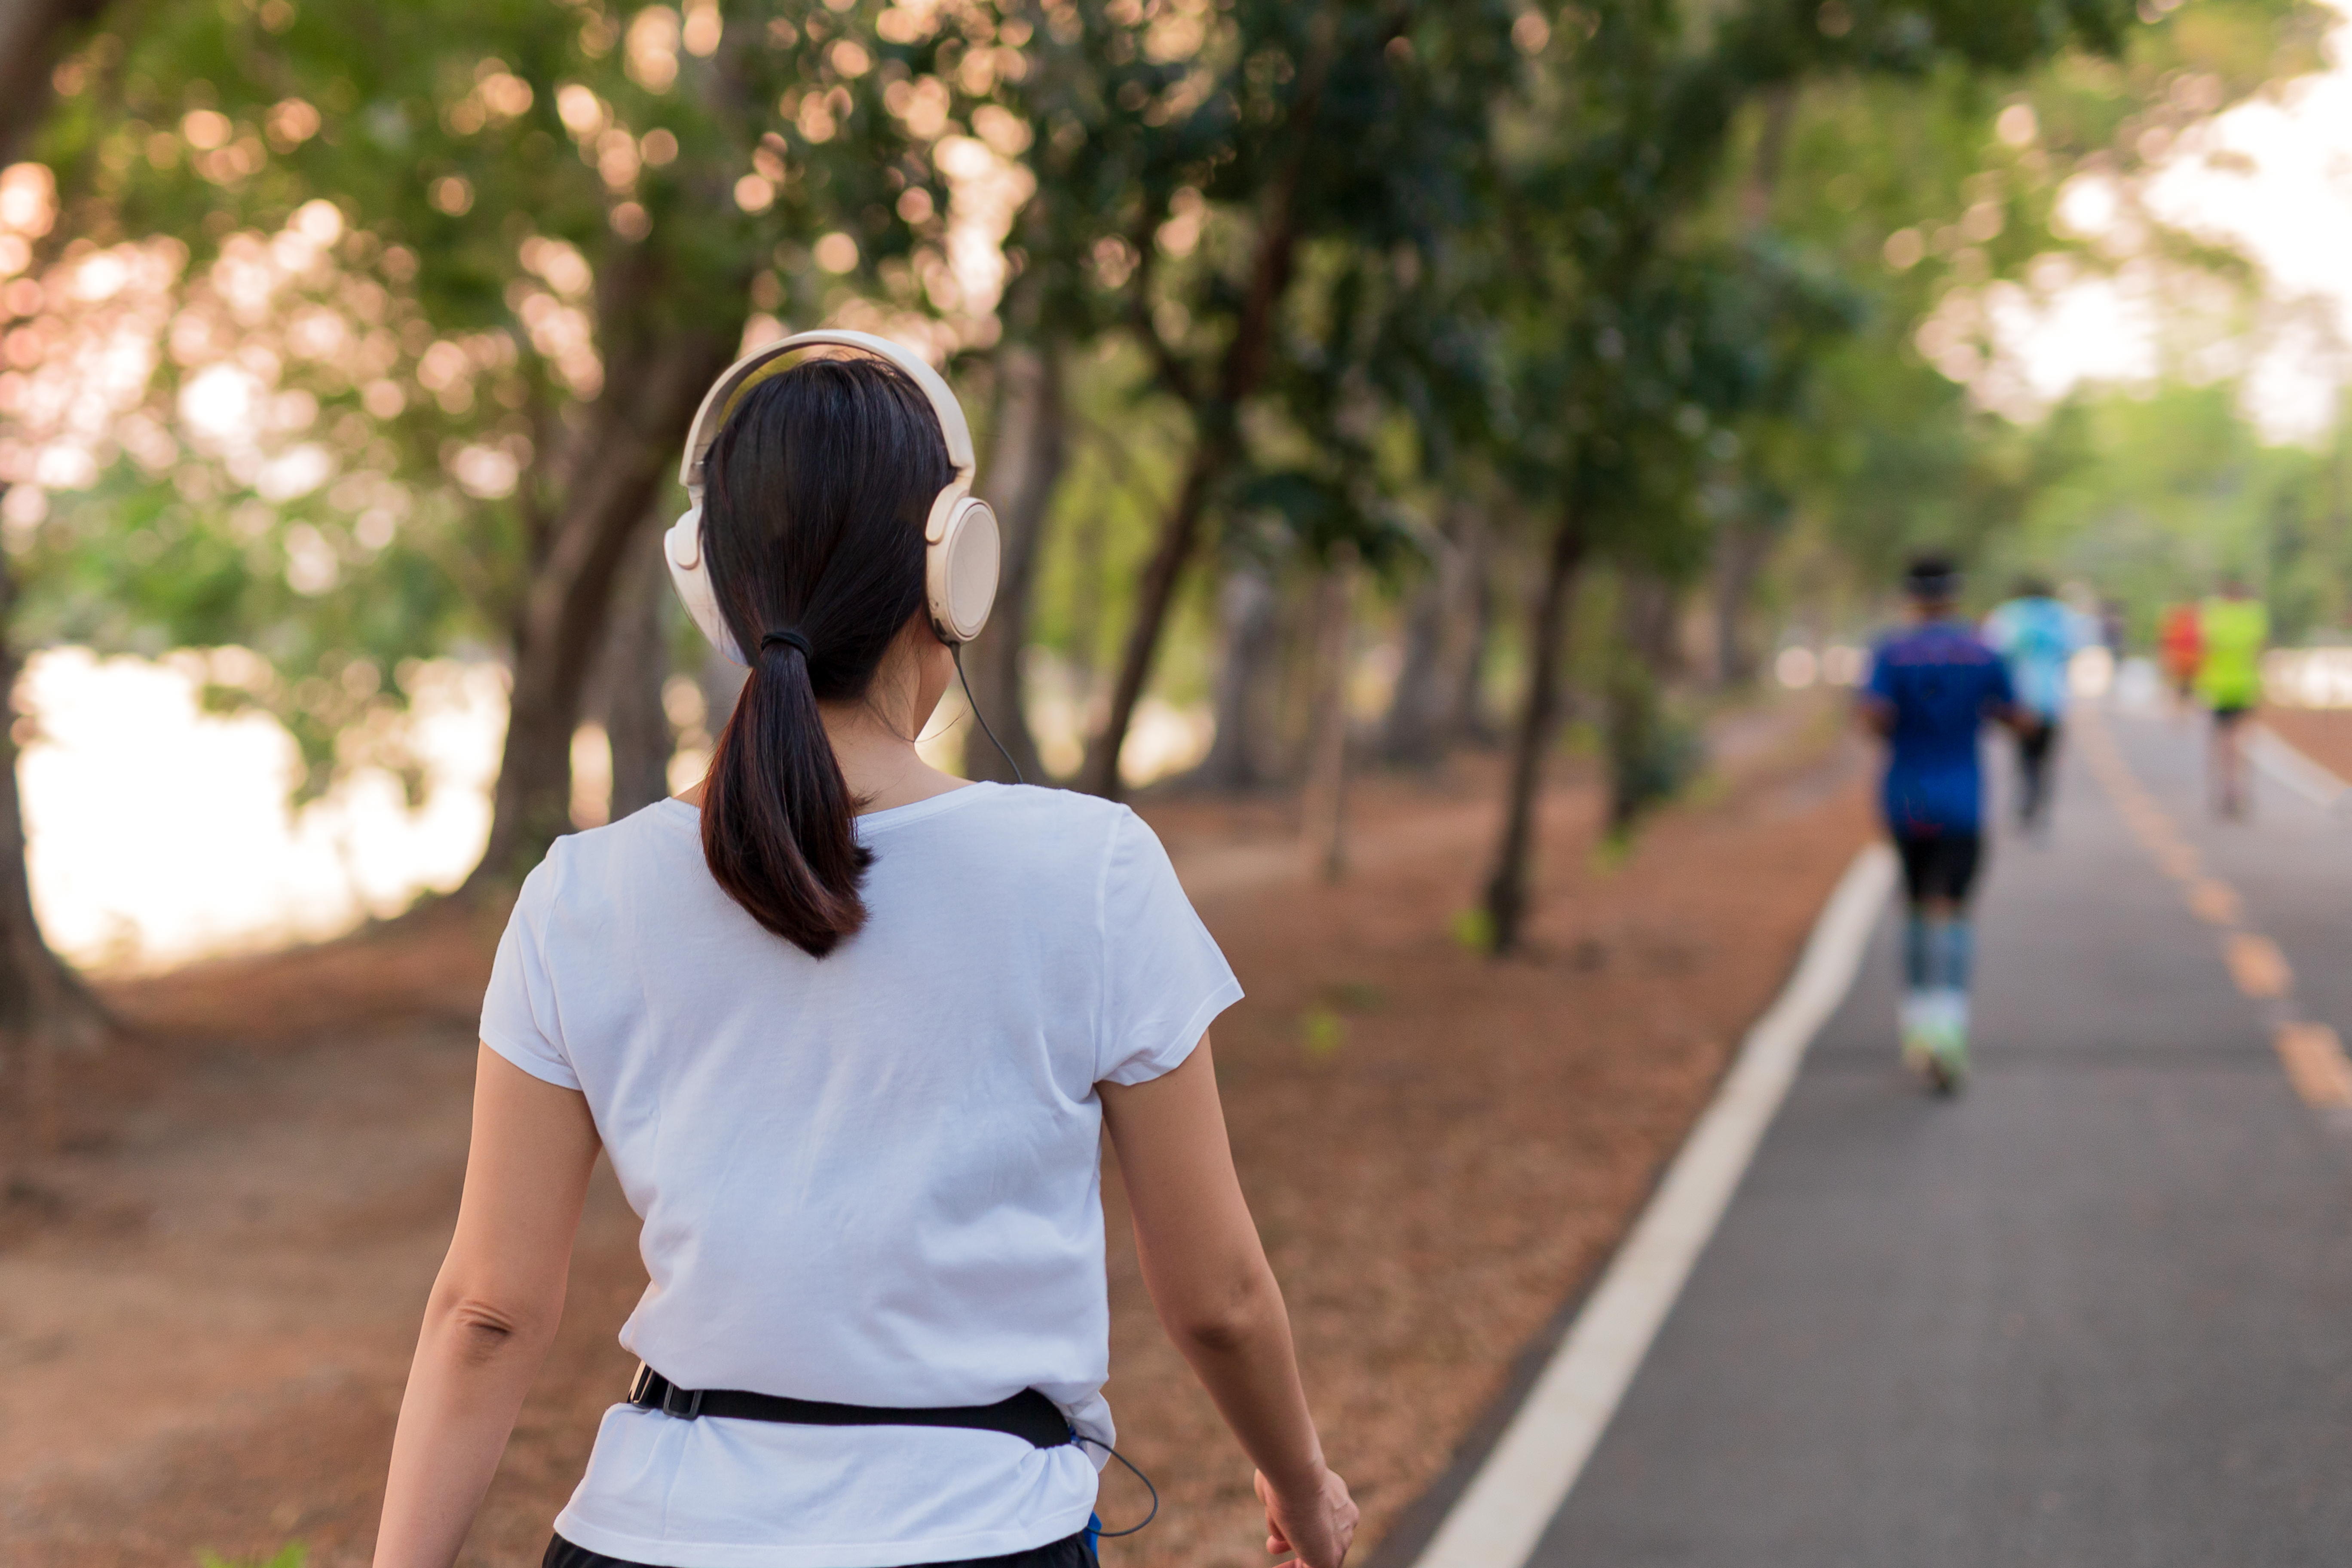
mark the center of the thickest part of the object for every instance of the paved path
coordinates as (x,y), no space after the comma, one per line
(2096,1311)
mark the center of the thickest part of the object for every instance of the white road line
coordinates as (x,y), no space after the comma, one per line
(1502,1514)
(2276,756)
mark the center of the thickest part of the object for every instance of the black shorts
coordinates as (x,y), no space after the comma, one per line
(1070,1551)
(2228,718)
(1939,865)
(2034,744)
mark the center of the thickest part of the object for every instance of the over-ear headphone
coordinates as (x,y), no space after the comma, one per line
(959,540)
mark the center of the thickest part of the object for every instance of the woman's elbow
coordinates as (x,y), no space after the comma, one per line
(482,1329)
(1230,1320)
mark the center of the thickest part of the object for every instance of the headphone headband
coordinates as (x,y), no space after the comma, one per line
(961,545)
(719,400)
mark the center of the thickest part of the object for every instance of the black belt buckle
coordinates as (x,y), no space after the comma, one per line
(683,1404)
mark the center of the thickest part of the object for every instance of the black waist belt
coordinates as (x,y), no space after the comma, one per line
(1028,1415)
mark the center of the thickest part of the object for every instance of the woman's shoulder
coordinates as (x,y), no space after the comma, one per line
(587,860)
(1045,816)
(665,822)
(1046,827)
(1050,803)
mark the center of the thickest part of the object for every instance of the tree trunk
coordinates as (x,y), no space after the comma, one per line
(1473,725)
(33,36)
(1426,714)
(636,667)
(1411,734)
(1650,617)
(1217,413)
(1241,748)
(43,1005)
(1029,449)
(1740,552)
(1099,774)
(1763,181)
(1743,544)
(1642,771)
(631,433)
(1326,814)
(1506,889)
(1088,533)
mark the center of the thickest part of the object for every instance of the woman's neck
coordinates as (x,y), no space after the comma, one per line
(873,737)
(879,761)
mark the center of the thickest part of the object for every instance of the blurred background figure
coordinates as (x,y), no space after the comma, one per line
(1933,687)
(2180,646)
(2113,632)
(2232,629)
(2037,636)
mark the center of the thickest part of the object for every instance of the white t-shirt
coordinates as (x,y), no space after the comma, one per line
(873,1178)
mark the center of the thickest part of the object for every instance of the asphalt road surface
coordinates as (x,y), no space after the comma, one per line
(2098,1309)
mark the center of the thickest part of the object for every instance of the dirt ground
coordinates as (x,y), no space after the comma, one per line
(2323,734)
(207,1299)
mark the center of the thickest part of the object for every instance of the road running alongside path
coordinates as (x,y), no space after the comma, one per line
(2099,1309)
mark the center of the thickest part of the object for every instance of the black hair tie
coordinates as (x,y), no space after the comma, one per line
(789,640)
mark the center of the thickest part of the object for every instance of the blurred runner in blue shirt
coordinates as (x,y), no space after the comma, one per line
(1933,687)
(2039,637)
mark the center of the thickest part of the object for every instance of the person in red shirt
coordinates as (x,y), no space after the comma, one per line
(2180,646)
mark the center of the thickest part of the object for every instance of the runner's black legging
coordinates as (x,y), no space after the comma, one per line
(1939,866)
(1070,1551)
(2033,753)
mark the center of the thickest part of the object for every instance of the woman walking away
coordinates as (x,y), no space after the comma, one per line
(851,1031)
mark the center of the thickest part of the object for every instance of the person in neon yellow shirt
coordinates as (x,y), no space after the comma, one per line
(2233,628)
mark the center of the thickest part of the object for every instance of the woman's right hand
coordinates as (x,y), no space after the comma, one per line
(1218,1299)
(1318,1525)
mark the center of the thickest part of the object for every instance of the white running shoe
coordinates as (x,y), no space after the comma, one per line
(1949,1038)
(1919,1032)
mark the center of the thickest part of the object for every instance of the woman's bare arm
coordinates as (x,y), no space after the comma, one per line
(492,1313)
(1217,1298)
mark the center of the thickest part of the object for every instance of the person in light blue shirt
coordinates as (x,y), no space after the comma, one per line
(2037,636)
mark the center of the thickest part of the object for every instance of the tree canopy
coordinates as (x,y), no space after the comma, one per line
(359,335)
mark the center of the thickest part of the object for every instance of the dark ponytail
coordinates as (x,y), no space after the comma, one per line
(814,502)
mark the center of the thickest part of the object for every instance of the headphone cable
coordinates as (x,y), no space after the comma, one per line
(973,703)
(1094,1525)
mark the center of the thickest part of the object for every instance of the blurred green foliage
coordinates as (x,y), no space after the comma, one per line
(1321,1032)
(527,198)
(1656,271)
(1896,456)
(2153,499)
(294,1555)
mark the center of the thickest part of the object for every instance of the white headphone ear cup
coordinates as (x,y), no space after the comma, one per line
(682,550)
(960,571)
